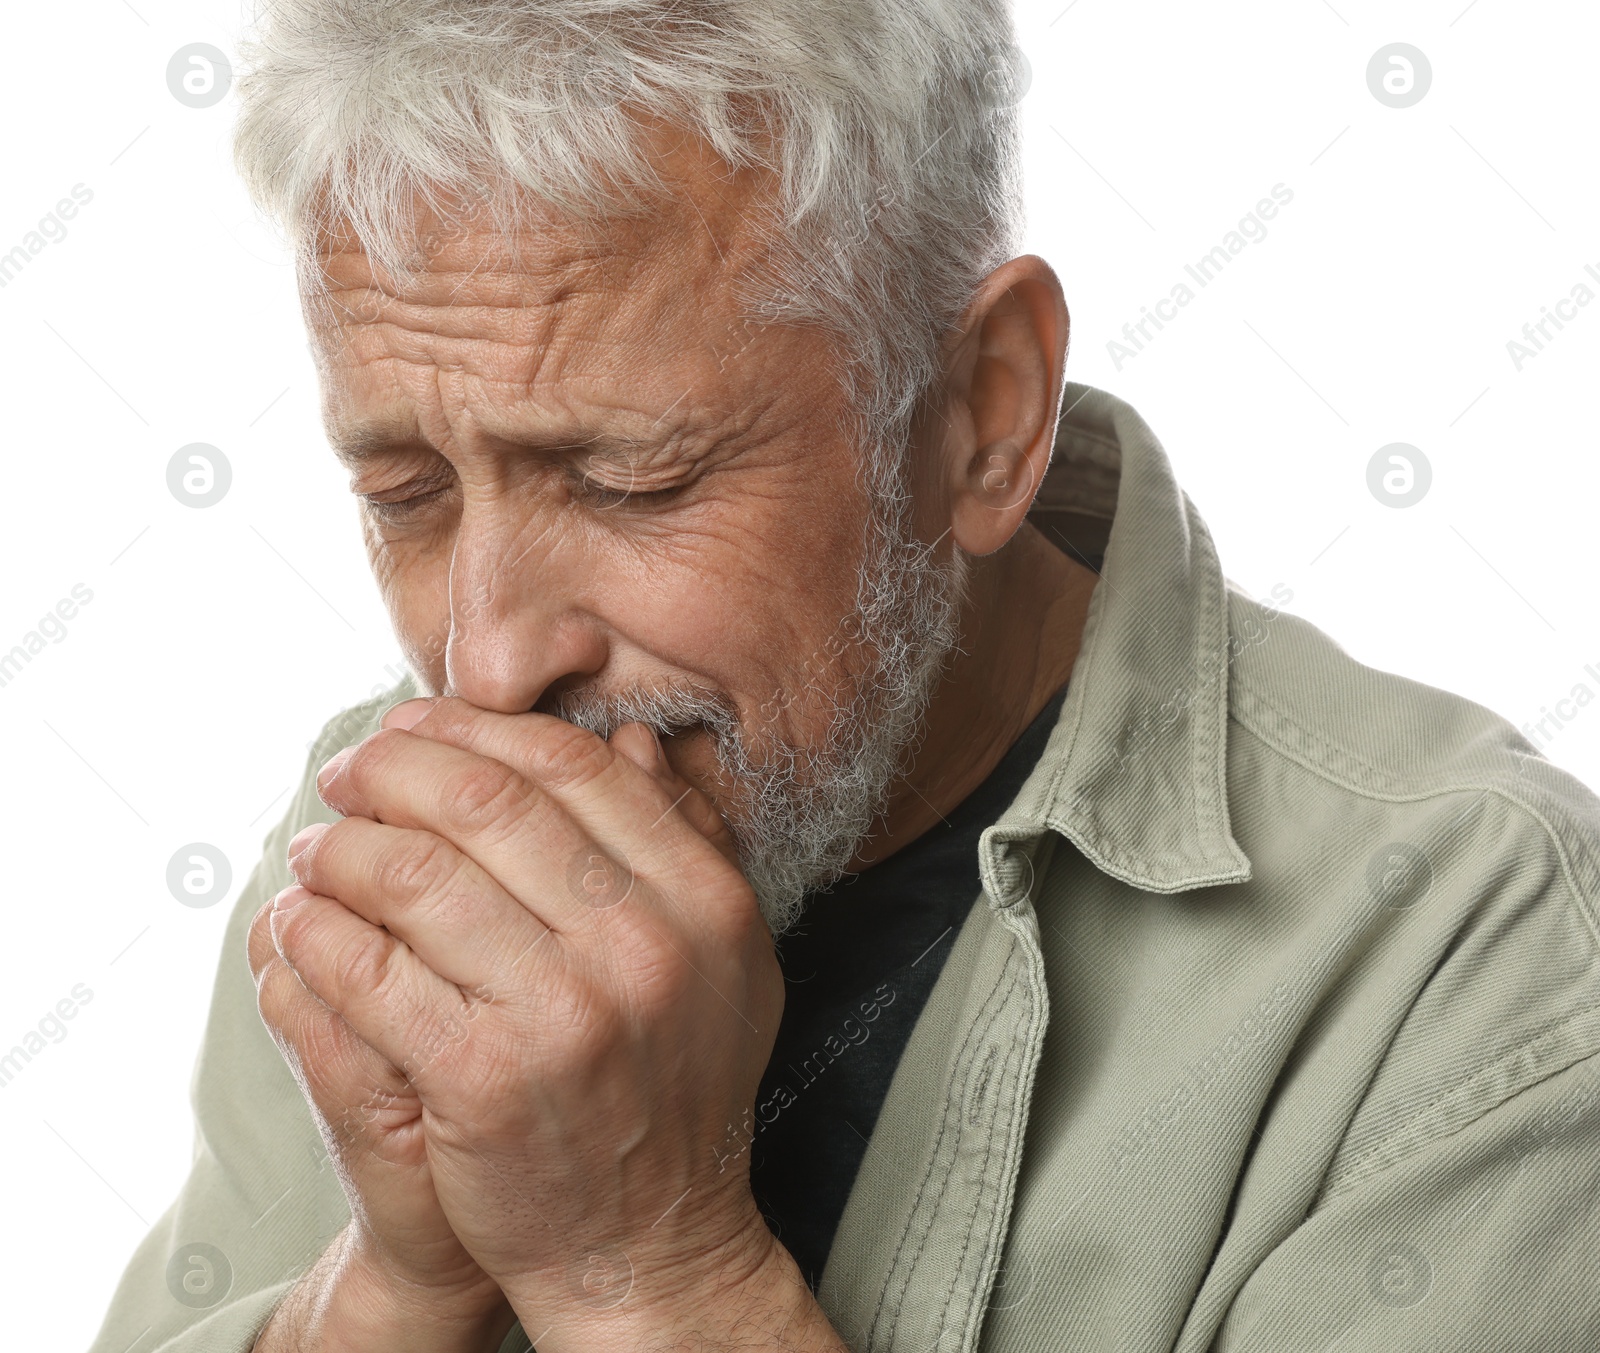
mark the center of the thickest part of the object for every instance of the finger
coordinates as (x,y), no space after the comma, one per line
(352,1087)
(451,913)
(640,744)
(258,946)
(604,791)
(346,1080)
(636,741)
(389,997)
(518,833)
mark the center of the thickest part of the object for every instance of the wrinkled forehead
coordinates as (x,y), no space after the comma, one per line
(699,237)
(629,325)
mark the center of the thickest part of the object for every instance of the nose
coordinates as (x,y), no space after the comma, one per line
(518,624)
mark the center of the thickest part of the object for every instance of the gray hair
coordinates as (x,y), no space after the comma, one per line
(890,127)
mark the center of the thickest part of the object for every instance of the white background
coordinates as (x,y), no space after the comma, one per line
(179,705)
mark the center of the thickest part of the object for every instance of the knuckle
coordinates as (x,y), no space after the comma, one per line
(422,868)
(647,966)
(362,964)
(292,932)
(312,867)
(485,798)
(565,756)
(369,755)
(737,917)
(581,1025)
(661,978)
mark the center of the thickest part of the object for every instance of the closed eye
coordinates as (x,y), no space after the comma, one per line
(605,497)
(394,510)
(587,489)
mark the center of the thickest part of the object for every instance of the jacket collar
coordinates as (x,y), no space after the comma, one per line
(1135,773)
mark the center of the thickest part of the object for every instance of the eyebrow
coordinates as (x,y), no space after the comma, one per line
(368,441)
(364,442)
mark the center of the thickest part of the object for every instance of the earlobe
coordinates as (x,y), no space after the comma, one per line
(1004,476)
(1001,481)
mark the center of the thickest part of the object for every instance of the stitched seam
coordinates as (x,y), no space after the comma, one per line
(1205,750)
(1351,1174)
(970,1224)
(1584,906)
(990,1008)
(922,1187)
(961,1069)
(1332,751)
(1030,1047)
(978,1194)
(999,1007)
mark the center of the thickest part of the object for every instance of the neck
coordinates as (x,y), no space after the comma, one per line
(1020,633)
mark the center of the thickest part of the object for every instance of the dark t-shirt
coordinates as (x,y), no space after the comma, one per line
(858,968)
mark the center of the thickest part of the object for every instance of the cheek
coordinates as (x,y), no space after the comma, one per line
(758,606)
(416,592)
(385,564)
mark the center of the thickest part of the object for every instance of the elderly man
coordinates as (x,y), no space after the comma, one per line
(741,933)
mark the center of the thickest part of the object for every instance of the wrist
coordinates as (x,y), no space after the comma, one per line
(352,1301)
(746,1292)
(464,1313)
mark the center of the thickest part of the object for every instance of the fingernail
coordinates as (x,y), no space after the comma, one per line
(291,896)
(408,713)
(305,836)
(333,766)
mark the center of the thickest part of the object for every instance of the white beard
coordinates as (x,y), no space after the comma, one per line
(799,815)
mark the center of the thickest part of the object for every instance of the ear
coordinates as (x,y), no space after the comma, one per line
(1003,390)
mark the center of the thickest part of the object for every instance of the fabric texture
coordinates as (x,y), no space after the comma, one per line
(1276,1028)
(858,968)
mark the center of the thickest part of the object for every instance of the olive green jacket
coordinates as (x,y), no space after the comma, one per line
(1276,1026)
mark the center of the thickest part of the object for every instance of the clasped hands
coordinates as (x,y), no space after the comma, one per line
(527,992)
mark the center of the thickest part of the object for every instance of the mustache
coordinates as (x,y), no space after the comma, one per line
(666,709)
